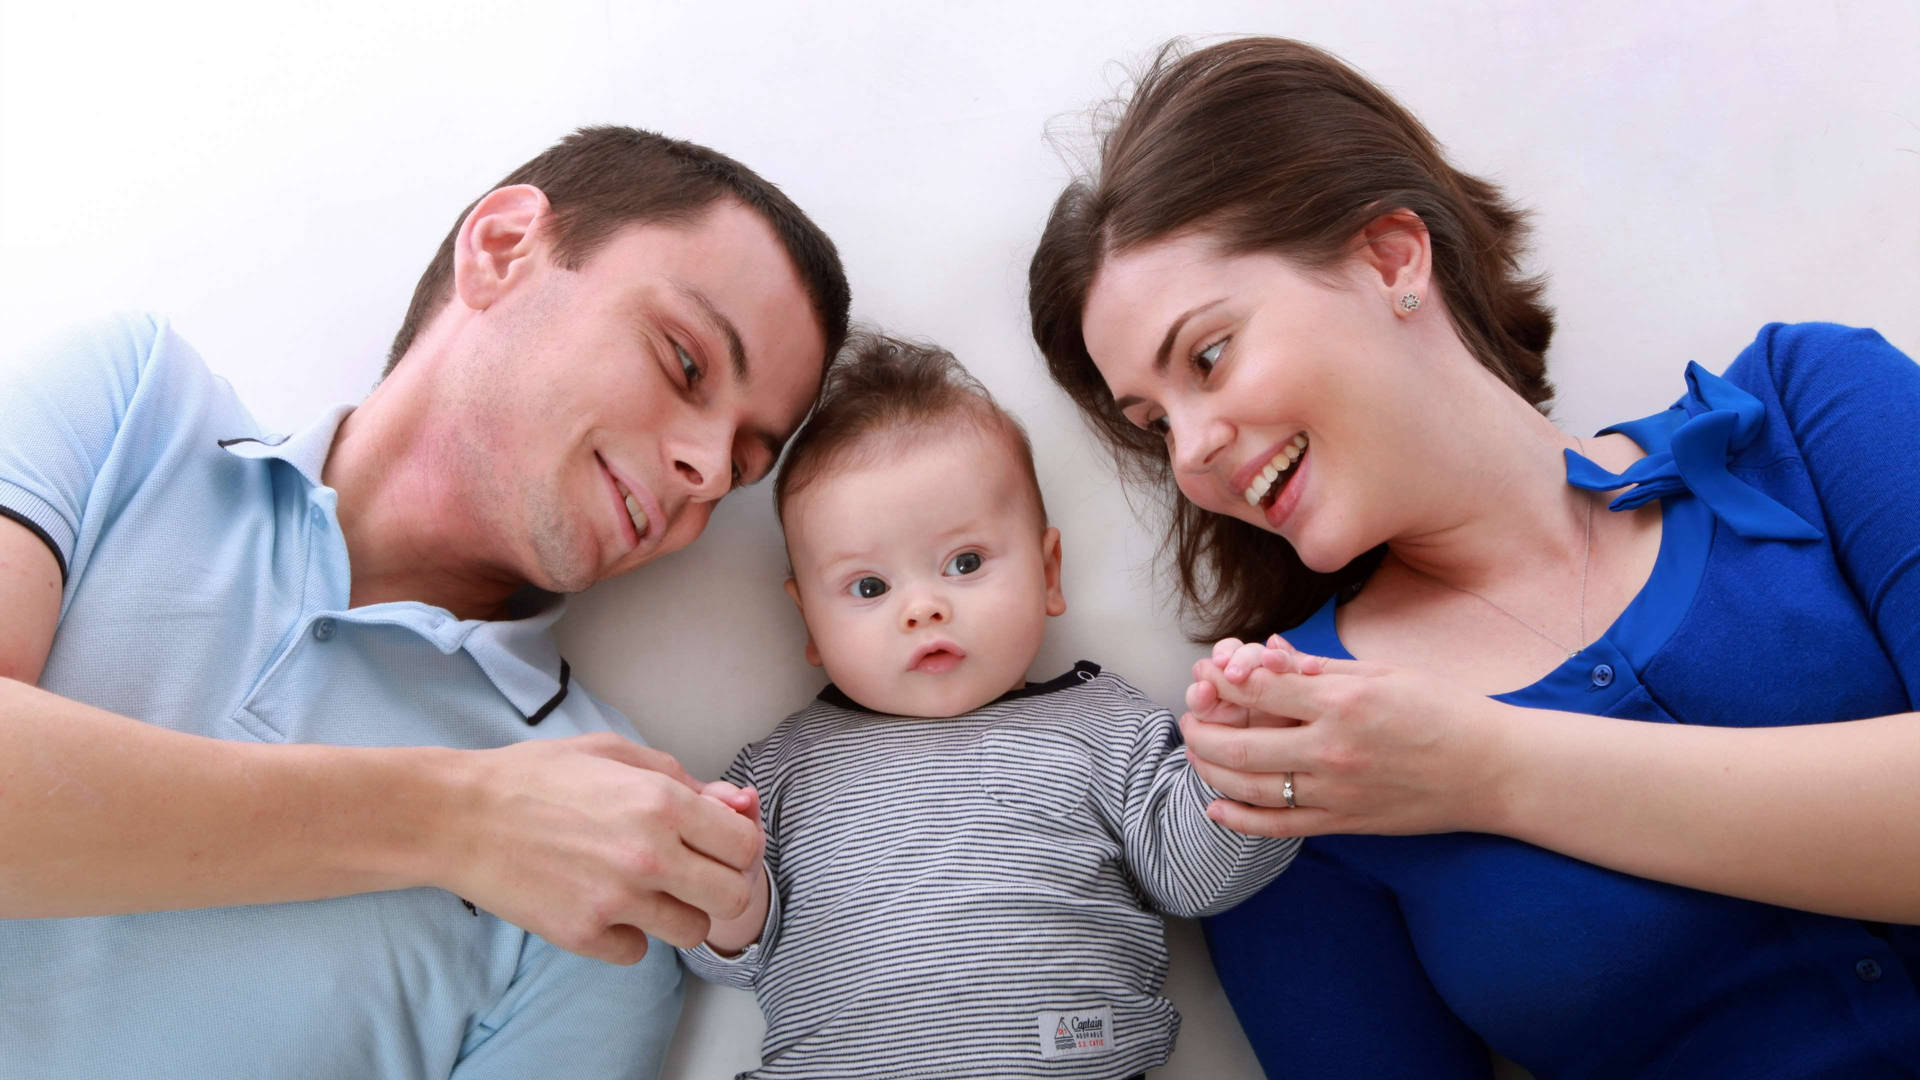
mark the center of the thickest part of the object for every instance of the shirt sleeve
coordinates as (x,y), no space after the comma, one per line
(1325,980)
(567,1015)
(64,401)
(743,970)
(1187,864)
(1852,402)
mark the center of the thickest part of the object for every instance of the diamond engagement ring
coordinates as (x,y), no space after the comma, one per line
(1286,792)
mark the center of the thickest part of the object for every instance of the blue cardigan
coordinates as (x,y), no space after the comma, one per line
(1786,591)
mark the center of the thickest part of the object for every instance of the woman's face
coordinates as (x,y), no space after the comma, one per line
(1279,393)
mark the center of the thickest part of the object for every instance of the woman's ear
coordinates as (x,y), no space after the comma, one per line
(1397,254)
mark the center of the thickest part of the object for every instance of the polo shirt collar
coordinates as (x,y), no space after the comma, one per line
(520,657)
(305,450)
(518,654)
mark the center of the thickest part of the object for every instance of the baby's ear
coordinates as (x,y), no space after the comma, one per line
(813,654)
(1050,554)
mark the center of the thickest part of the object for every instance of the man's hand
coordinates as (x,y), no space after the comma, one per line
(593,842)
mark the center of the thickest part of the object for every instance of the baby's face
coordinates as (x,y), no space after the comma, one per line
(925,575)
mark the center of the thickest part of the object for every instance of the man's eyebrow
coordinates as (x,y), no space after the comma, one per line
(717,321)
(1164,356)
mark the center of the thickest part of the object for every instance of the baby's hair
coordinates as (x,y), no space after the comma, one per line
(887,386)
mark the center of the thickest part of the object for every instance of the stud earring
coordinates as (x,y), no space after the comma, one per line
(1409,301)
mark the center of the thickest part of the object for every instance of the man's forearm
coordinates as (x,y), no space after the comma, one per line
(106,815)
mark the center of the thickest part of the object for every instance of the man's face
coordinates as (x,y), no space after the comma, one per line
(925,573)
(614,405)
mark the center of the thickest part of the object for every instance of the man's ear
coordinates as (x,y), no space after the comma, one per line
(1050,558)
(492,251)
(813,654)
(1397,254)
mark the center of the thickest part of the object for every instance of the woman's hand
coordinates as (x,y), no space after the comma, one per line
(1371,748)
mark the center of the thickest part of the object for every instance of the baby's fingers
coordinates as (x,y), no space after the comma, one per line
(1242,662)
(1201,696)
(1282,660)
(1225,648)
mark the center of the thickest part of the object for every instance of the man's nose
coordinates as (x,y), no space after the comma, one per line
(704,464)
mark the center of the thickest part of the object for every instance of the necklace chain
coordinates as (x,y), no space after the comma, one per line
(1586,561)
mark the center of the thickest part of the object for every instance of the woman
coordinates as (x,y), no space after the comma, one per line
(1646,843)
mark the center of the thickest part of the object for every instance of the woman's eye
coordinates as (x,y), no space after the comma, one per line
(964,563)
(1159,426)
(867,588)
(688,369)
(1209,356)
(739,475)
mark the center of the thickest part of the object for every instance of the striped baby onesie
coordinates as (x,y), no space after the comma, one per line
(974,896)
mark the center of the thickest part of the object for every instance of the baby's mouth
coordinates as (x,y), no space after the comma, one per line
(937,657)
(1266,484)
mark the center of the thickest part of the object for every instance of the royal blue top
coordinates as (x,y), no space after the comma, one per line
(1786,591)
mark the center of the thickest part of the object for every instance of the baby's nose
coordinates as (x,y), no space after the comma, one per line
(925,611)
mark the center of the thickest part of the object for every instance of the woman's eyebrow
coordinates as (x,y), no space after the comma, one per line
(1165,354)
(1161,358)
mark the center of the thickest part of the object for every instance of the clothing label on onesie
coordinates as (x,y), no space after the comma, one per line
(1079,1033)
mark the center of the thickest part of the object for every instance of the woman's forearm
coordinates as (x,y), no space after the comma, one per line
(1822,817)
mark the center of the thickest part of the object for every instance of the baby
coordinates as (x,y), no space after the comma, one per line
(964,865)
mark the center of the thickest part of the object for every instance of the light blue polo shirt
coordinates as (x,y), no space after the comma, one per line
(206,586)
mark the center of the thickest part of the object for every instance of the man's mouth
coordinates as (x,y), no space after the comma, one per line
(636,512)
(638,515)
(937,657)
(1265,486)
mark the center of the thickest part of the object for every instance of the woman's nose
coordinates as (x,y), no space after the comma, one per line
(1196,441)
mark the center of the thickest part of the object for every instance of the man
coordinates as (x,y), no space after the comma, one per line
(292,673)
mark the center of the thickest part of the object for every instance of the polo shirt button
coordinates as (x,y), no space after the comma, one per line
(323,630)
(1868,970)
(1603,675)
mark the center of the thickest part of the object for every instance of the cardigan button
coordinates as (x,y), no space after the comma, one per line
(1868,970)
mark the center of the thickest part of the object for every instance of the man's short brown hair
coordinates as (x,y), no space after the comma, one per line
(600,180)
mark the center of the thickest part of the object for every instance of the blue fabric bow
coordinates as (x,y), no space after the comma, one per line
(1724,420)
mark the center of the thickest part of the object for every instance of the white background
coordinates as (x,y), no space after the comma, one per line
(274,177)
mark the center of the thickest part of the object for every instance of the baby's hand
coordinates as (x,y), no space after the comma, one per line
(744,801)
(1234,660)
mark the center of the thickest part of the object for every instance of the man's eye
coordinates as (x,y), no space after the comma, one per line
(964,563)
(868,587)
(688,369)
(1209,356)
(739,475)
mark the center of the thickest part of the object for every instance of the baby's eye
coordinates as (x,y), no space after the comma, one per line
(964,563)
(1209,356)
(868,587)
(688,369)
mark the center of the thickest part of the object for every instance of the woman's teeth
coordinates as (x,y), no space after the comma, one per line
(638,515)
(1282,461)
